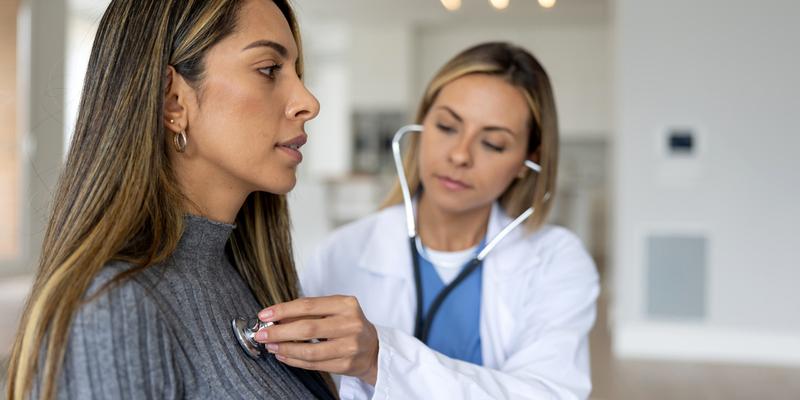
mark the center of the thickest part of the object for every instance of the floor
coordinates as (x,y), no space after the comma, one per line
(657,380)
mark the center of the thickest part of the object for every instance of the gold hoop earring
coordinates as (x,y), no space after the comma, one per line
(180,141)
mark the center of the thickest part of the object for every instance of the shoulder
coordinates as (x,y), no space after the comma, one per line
(345,248)
(110,307)
(559,251)
(109,300)
(352,237)
(553,238)
(119,343)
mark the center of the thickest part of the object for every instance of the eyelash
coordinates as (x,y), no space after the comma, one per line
(448,130)
(271,70)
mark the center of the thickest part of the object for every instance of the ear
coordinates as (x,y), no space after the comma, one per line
(535,156)
(176,94)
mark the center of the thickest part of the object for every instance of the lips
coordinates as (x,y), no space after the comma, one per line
(292,147)
(452,183)
(295,143)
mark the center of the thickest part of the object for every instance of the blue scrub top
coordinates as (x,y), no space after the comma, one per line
(455,331)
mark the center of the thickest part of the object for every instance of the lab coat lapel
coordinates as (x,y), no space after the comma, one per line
(505,270)
(387,255)
(386,249)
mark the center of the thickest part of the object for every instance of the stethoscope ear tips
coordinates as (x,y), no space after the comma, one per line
(245,331)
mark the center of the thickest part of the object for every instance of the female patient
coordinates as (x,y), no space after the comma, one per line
(516,327)
(170,219)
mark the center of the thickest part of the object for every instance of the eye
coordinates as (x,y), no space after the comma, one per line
(445,128)
(493,147)
(270,71)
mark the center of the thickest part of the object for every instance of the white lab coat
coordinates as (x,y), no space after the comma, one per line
(537,307)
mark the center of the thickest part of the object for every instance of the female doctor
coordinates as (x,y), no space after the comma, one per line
(517,325)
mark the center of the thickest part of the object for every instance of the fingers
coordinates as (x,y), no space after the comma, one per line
(307,329)
(316,352)
(337,366)
(309,307)
(306,356)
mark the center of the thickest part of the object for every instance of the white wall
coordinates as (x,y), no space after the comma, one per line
(576,56)
(40,84)
(382,62)
(729,70)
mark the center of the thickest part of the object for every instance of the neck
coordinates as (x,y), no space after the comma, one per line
(445,230)
(210,195)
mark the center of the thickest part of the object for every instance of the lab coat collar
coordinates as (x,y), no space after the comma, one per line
(387,250)
(504,261)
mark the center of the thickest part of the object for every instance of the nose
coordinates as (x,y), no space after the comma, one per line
(460,155)
(303,106)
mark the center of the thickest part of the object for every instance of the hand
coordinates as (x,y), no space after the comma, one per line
(349,343)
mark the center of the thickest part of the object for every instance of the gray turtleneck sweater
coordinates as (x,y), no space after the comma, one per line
(166,333)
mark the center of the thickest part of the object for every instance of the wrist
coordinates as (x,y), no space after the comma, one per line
(371,375)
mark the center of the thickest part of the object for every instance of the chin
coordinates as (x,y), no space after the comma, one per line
(284,188)
(452,203)
(281,186)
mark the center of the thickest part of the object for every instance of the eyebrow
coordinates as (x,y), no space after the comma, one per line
(489,128)
(281,49)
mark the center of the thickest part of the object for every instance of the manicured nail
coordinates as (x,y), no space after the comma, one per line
(261,335)
(272,347)
(265,315)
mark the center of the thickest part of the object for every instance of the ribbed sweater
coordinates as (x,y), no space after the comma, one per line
(166,332)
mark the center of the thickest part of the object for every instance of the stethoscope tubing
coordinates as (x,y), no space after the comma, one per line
(422,326)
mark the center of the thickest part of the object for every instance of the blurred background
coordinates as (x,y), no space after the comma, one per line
(679,164)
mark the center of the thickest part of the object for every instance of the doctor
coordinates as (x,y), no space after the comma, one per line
(517,325)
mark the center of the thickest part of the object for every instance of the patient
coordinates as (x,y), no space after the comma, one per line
(170,217)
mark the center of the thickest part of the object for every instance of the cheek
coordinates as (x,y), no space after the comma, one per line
(430,153)
(499,175)
(239,119)
(236,106)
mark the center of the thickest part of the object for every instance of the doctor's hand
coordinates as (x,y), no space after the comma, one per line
(349,342)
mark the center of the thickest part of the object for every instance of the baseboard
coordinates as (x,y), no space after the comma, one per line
(701,343)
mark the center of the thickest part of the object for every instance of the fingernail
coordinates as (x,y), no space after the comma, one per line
(261,335)
(280,357)
(265,315)
(272,347)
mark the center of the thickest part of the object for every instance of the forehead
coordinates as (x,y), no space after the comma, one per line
(263,20)
(485,97)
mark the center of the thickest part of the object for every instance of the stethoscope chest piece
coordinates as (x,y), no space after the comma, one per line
(245,332)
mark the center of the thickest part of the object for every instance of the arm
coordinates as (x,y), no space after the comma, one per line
(550,360)
(120,347)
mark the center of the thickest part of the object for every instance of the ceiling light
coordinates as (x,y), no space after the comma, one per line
(451,5)
(499,4)
(547,3)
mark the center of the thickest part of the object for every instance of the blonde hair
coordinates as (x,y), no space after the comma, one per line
(520,69)
(117,198)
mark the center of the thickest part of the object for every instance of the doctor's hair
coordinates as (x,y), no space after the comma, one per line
(520,69)
(117,197)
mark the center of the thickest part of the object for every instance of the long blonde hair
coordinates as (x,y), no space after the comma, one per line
(520,69)
(117,198)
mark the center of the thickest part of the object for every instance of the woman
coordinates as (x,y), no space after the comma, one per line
(170,217)
(517,326)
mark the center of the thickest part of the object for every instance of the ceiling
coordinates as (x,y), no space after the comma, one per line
(380,12)
(423,12)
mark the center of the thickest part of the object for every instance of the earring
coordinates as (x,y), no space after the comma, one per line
(180,141)
(171,121)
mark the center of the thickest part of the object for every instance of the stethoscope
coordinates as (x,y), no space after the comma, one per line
(422,326)
(244,329)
